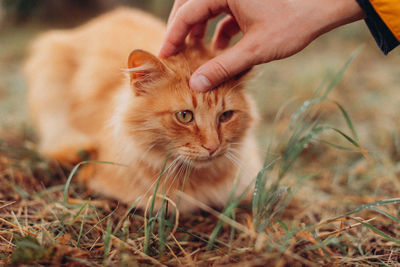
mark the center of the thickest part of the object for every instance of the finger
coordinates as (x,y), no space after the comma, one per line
(198,31)
(226,29)
(189,14)
(234,60)
(176,6)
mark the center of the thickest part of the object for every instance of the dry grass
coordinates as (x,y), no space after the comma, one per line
(38,228)
(301,228)
(318,213)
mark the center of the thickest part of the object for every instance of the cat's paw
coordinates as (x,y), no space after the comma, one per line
(68,155)
(86,173)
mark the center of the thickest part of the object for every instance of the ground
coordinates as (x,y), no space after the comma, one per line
(336,205)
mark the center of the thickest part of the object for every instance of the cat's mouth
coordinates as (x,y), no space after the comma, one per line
(202,159)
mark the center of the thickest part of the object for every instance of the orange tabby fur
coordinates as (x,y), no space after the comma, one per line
(81,100)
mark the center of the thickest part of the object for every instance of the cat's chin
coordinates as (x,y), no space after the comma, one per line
(207,161)
(202,164)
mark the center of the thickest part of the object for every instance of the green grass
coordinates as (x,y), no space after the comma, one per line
(328,194)
(102,232)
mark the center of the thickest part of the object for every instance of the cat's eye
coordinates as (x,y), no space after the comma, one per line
(226,116)
(184,116)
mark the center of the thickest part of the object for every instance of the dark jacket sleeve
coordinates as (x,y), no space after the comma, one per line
(382,34)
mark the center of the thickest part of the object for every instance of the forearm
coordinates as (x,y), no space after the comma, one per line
(335,13)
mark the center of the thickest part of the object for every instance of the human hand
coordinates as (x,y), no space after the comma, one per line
(272,29)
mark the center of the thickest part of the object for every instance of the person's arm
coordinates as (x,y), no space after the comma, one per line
(383,20)
(272,29)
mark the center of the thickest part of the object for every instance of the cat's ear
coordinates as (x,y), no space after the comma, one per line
(143,69)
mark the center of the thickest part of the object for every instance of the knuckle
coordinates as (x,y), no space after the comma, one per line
(181,16)
(221,71)
(257,54)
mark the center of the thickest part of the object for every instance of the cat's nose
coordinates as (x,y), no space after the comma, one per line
(211,148)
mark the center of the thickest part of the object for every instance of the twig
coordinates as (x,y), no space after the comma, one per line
(220,216)
(323,235)
(18,227)
(8,204)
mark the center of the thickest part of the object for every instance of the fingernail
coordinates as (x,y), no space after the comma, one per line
(199,83)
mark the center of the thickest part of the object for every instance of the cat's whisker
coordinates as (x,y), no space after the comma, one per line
(181,164)
(177,173)
(237,158)
(234,152)
(243,170)
(233,149)
(184,169)
(241,144)
(146,194)
(176,176)
(235,164)
(188,170)
(135,129)
(233,160)
(238,84)
(172,170)
(236,144)
(236,161)
(134,119)
(171,148)
(168,171)
(143,156)
(183,174)
(188,164)
(247,170)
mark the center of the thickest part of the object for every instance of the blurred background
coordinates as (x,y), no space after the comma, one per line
(72,12)
(369,90)
(326,181)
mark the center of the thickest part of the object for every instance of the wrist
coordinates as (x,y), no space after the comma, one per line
(338,13)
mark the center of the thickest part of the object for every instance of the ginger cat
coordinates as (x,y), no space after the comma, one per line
(81,100)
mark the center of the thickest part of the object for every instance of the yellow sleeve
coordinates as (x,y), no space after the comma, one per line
(389,12)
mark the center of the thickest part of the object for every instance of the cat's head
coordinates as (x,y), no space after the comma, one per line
(165,116)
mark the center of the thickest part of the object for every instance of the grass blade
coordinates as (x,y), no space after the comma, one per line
(107,241)
(81,228)
(386,214)
(339,75)
(348,121)
(75,169)
(338,146)
(379,232)
(149,225)
(351,140)
(367,206)
(121,221)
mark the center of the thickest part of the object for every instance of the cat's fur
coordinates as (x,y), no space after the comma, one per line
(81,100)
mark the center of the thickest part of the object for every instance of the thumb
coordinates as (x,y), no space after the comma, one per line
(234,60)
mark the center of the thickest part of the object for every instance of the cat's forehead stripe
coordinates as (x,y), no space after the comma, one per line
(203,98)
(215,92)
(194,101)
(210,101)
